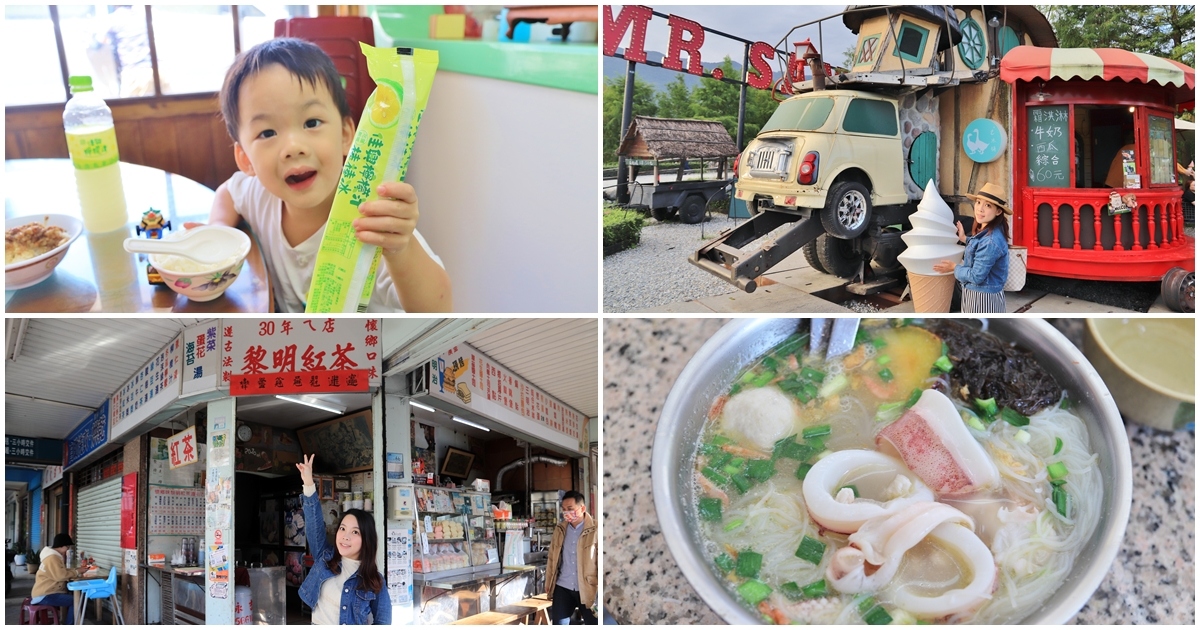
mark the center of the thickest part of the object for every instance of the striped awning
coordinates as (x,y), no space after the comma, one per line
(1030,63)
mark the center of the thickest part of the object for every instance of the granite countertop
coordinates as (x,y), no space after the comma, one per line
(1151,581)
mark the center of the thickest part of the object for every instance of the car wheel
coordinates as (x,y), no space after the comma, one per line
(810,255)
(847,210)
(837,256)
(693,209)
(661,214)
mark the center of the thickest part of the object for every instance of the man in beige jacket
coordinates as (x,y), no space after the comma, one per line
(50,583)
(572,570)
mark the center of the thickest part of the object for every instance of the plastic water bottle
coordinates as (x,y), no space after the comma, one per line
(92,143)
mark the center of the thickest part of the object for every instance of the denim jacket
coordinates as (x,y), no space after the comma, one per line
(356,604)
(985,265)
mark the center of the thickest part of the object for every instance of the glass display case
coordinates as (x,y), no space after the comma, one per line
(453,531)
(545,512)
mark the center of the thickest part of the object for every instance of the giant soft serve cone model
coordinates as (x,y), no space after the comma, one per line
(934,237)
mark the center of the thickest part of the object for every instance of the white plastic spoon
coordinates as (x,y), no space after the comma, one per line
(207,244)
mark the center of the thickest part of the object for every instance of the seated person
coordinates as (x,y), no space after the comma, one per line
(50,583)
(1116,175)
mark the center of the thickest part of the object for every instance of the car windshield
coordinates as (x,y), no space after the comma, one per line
(802,114)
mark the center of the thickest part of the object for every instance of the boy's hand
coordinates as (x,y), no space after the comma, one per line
(389,221)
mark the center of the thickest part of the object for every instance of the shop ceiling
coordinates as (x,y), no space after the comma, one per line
(57,371)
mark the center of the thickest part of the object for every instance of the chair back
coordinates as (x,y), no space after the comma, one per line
(339,36)
(112,577)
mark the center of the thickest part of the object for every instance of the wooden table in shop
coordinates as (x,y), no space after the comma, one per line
(97,274)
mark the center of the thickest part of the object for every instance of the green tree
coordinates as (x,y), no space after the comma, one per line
(676,101)
(714,99)
(614,100)
(1163,31)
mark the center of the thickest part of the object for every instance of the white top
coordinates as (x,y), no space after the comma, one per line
(291,268)
(329,604)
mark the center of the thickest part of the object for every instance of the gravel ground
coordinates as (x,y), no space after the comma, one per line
(657,272)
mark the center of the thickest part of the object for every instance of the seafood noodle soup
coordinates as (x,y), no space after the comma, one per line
(933,474)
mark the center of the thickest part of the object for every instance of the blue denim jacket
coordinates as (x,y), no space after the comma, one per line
(985,265)
(356,604)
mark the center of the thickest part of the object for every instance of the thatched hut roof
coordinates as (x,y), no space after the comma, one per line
(676,138)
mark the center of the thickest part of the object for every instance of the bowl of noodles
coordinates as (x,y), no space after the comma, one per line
(942,471)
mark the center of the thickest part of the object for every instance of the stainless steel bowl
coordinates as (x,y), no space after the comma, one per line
(739,343)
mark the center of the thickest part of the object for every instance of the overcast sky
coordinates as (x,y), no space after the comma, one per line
(756,23)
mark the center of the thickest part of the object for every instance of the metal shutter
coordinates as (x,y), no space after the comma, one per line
(98,523)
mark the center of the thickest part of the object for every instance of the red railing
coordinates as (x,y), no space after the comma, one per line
(1070,233)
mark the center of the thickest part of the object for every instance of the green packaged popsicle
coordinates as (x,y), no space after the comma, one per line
(344,272)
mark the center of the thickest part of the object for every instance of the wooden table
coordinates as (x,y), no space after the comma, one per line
(97,274)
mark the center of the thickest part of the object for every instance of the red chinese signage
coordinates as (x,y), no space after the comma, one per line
(297,356)
(181,448)
(129,511)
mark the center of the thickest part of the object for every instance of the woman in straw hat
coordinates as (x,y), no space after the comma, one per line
(985,265)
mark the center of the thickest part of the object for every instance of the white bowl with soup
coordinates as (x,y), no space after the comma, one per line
(1149,364)
(877,488)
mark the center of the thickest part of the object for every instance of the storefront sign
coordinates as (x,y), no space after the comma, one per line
(90,435)
(271,356)
(182,448)
(33,450)
(154,387)
(473,380)
(984,140)
(201,358)
(129,511)
(687,36)
(51,475)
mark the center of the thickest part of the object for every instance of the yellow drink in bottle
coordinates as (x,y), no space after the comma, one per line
(92,143)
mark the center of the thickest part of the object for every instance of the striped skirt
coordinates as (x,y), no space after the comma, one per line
(979,302)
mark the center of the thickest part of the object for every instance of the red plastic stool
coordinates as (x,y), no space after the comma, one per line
(338,36)
(38,614)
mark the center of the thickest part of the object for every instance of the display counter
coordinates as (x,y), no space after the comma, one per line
(449,596)
(181,594)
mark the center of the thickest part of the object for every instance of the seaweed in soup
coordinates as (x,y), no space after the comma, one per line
(991,368)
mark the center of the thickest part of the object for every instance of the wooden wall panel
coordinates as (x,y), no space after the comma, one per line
(183,135)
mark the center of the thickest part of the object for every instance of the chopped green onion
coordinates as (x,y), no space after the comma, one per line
(853,489)
(719,459)
(724,563)
(1057,470)
(1065,404)
(886,375)
(791,591)
(748,564)
(763,379)
(866,605)
(1057,445)
(943,363)
(861,336)
(878,342)
(973,422)
(802,471)
(741,482)
(811,375)
(771,363)
(720,440)
(715,476)
(747,377)
(734,524)
(735,388)
(730,469)
(760,469)
(1022,436)
(1058,482)
(811,550)
(710,509)
(877,616)
(817,431)
(988,406)
(1062,501)
(883,359)
(791,344)
(1013,418)
(801,452)
(816,589)
(754,591)
(817,444)
(805,392)
(833,386)
(913,397)
(888,411)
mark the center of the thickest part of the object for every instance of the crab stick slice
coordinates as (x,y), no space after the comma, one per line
(935,444)
(836,508)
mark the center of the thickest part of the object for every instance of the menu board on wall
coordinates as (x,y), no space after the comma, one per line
(1162,153)
(151,389)
(90,435)
(1049,149)
(201,357)
(175,511)
(472,379)
(272,356)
